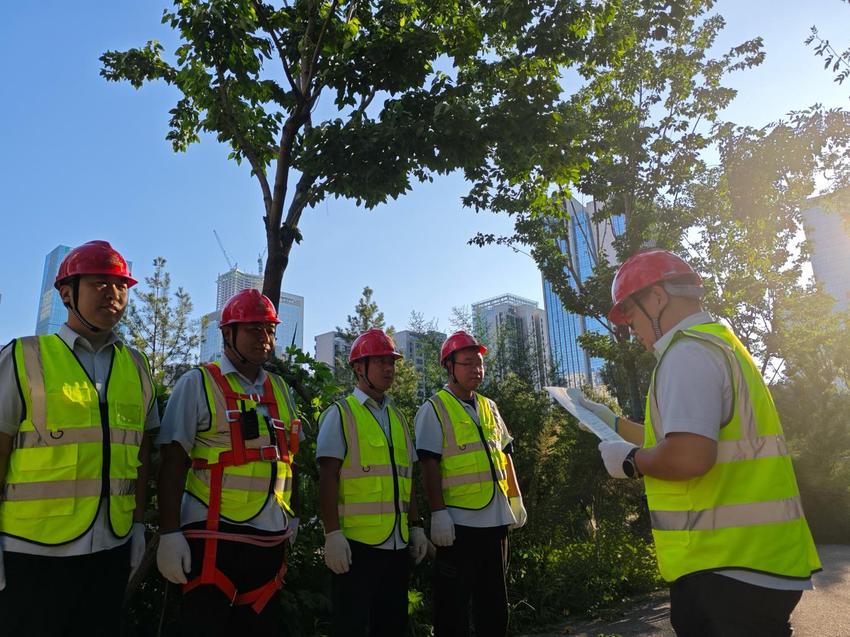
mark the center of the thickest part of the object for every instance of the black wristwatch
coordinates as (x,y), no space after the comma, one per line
(630,466)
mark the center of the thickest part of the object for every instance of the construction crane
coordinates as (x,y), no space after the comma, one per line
(260,258)
(223,251)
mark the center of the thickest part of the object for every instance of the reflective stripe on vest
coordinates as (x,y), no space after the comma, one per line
(472,455)
(746,511)
(375,477)
(246,488)
(55,480)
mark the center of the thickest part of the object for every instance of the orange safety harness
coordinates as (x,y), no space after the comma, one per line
(239,455)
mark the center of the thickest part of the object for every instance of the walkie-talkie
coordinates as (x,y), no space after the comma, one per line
(250,424)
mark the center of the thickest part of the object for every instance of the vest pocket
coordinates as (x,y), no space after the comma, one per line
(464,476)
(358,494)
(58,460)
(40,482)
(127,415)
(133,460)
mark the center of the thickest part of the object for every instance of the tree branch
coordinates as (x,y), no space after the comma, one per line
(264,22)
(318,47)
(247,149)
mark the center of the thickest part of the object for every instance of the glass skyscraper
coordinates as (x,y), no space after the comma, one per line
(583,241)
(51,312)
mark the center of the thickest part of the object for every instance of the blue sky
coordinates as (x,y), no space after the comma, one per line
(84,159)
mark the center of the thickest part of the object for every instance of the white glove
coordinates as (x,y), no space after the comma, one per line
(603,412)
(418,546)
(292,525)
(173,557)
(2,572)
(431,551)
(137,546)
(442,528)
(613,455)
(518,509)
(337,552)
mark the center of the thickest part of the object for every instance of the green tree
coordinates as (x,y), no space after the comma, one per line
(813,397)
(411,88)
(405,390)
(429,340)
(648,113)
(748,216)
(160,325)
(366,316)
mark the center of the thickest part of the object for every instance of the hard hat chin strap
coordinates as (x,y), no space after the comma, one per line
(72,306)
(451,360)
(654,321)
(366,374)
(232,345)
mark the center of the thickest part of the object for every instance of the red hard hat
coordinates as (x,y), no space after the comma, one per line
(94,257)
(459,340)
(248,306)
(373,342)
(643,270)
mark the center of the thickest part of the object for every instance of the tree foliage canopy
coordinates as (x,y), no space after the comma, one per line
(160,325)
(408,89)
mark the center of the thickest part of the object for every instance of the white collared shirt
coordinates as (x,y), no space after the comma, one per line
(187,412)
(331,443)
(693,387)
(429,437)
(97,365)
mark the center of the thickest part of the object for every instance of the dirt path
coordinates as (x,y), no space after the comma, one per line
(824,612)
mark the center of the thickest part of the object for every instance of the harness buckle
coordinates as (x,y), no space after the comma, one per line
(277,423)
(230,418)
(276,455)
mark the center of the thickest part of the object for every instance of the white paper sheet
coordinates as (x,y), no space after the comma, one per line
(568,399)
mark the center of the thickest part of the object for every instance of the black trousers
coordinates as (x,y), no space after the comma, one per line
(64,596)
(370,600)
(712,605)
(472,570)
(206,610)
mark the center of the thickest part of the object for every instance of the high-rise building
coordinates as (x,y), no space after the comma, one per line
(212,347)
(584,242)
(331,346)
(410,344)
(233,281)
(290,311)
(829,233)
(513,321)
(51,312)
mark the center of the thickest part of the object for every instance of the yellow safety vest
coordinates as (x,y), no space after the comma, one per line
(375,478)
(745,513)
(245,488)
(72,451)
(472,462)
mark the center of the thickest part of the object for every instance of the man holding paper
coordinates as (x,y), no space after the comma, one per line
(729,529)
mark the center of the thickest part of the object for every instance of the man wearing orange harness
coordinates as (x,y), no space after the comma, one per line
(228,438)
